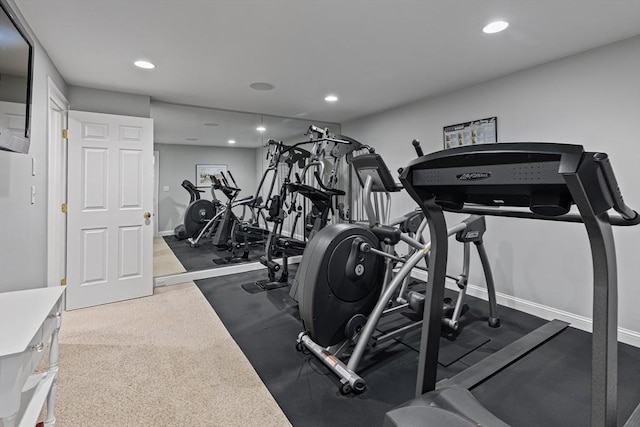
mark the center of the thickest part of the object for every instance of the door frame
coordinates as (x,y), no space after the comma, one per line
(156,190)
(56,182)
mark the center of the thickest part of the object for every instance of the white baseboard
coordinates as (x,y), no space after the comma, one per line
(626,336)
(189,276)
(165,233)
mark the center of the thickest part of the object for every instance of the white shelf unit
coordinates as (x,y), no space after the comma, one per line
(29,323)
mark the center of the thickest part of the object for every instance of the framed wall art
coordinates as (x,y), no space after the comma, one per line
(481,131)
(204,171)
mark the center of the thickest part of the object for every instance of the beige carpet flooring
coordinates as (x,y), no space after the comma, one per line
(164,261)
(163,360)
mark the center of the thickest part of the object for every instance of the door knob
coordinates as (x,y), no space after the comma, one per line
(147,215)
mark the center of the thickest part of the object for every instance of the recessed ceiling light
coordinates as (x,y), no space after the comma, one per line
(261,128)
(192,139)
(261,86)
(211,124)
(144,64)
(331,98)
(232,141)
(495,27)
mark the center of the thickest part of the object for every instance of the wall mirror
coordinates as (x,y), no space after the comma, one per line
(188,139)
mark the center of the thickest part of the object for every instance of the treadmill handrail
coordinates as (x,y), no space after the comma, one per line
(617,220)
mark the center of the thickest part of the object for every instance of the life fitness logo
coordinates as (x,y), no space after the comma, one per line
(473,176)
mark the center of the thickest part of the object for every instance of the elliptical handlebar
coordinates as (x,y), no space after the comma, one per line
(417,147)
(232,179)
(222,184)
(215,182)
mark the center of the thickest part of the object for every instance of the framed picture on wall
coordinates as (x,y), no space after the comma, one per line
(204,171)
(471,133)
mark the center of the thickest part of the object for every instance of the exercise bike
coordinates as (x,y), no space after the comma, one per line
(348,281)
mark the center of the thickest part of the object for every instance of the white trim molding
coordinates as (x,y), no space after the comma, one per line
(56,168)
(176,279)
(583,323)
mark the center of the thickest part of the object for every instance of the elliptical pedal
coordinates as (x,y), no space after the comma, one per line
(265,285)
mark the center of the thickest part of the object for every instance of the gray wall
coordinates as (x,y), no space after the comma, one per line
(178,162)
(23,226)
(109,102)
(591,99)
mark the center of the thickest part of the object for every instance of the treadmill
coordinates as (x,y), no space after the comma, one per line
(540,181)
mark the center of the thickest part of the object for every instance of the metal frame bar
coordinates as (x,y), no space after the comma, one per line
(432,318)
(604,347)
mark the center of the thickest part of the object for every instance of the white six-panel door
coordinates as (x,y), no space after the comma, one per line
(109,230)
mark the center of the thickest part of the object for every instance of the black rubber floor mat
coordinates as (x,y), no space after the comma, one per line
(229,261)
(265,326)
(453,350)
(206,255)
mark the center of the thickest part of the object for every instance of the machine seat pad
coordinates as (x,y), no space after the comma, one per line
(447,407)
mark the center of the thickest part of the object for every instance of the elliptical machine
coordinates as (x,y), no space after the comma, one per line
(227,233)
(347,280)
(198,213)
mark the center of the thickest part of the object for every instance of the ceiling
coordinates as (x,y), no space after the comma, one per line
(373,54)
(180,124)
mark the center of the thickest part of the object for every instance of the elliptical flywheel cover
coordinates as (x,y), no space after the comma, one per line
(197,215)
(331,296)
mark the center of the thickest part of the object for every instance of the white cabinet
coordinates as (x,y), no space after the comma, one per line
(29,323)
